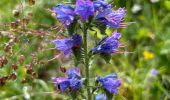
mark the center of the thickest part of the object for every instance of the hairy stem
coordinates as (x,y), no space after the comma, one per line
(86,62)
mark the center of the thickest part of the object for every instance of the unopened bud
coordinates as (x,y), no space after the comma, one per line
(14,66)
(63,69)
(25,20)
(31,2)
(16,13)
(21,58)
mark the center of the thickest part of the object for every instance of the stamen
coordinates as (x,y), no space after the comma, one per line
(123,52)
(128,23)
(49,49)
(57,56)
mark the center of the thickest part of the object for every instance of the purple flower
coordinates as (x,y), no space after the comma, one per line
(73,73)
(101,97)
(112,76)
(84,8)
(110,83)
(101,5)
(154,72)
(111,18)
(109,45)
(75,84)
(62,83)
(72,81)
(77,40)
(65,13)
(66,45)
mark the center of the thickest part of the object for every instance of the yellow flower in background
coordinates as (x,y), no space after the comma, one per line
(148,55)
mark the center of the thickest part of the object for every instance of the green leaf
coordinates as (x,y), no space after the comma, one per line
(166,48)
(78,55)
(167,3)
(106,56)
(101,27)
(72,1)
(109,95)
(71,28)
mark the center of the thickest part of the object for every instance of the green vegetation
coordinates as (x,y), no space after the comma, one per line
(26,51)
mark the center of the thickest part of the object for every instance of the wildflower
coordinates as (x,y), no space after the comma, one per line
(154,72)
(111,18)
(72,81)
(73,73)
(101,5)
(62,83)
(110,76)
(113,76)
(66,45)
(148,55)
(77,40)
(101,97)
(75,84)
(109,45)
(84,8)
(65,13)
(110,83)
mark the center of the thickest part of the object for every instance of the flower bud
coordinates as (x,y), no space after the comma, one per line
(31,2)
(21,58)
(14,66)
(16,13)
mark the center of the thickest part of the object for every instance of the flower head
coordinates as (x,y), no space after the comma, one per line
(75,84)
(101,5)
(109,45)
(101,97)
(110,76)
(66,45)
(111,18)
(154,72)
(148,55)
(84,8)
(73,73)
(72,81)
(110,83)
(61,82)
(77,39)
(65,13)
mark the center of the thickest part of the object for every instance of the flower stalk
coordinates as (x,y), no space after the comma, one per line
(86,61)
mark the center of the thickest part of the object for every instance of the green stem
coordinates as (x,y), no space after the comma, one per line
(86,62)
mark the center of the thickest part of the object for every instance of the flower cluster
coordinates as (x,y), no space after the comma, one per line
(72,81)
(100,9)
(88,13)
(65,13)
(110,82)
(66,45)
(109,44)
(84,8)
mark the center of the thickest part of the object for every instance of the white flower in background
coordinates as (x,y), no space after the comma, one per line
(136,8)
(154,1)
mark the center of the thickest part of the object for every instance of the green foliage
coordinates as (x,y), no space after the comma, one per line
(107,57)
(150,33)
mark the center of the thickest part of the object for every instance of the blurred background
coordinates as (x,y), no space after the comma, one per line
(26,52)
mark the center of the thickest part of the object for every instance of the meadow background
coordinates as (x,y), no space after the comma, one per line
(26,31)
